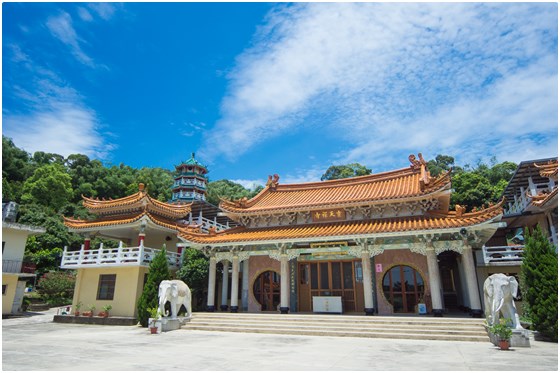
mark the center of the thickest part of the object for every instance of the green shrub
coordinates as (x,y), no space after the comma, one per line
(540,283)
(194,272)
(57,287)
(159,271)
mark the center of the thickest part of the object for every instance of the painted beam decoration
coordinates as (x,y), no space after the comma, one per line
(328,215)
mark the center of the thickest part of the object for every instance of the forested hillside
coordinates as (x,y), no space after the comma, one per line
(47,186)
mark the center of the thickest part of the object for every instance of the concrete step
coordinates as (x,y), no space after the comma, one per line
(446,329)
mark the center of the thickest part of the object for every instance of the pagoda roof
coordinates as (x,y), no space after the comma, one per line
(136,202)
(430,222)
(192,162)
(116,220)
(402,184)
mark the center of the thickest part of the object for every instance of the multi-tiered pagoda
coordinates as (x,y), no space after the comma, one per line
(190,182)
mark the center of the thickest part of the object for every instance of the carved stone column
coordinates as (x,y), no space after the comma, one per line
(235,281)
(284,283)
(368,289)
(245,286)
(470,274)
(211,283)
(435,282)
(365,250)
(225,280)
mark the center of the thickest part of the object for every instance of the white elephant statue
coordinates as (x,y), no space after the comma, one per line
(177,293)
(499,291)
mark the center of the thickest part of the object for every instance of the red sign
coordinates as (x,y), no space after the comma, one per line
(328,215)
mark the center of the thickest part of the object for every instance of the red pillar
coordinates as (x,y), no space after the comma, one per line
(141,238)
(87,242)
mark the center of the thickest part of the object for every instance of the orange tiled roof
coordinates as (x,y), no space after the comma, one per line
(120,220)
(543,199)
(549,169)
(400,184)
(137,201)
(431,221)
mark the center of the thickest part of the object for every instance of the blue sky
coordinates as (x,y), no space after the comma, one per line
(262,88)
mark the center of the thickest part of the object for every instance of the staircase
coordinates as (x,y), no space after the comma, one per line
(396,327)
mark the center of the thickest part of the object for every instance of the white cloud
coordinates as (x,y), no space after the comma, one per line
(457,78)
(61,27)
(65,130)
(53,117)
(104,10)
(249,184)
(84,14)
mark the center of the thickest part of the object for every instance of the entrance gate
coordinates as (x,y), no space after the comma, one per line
(331,278)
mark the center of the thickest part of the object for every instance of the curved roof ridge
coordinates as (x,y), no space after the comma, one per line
(97,203)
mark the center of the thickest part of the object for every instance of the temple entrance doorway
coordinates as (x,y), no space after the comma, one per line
(450,281)
(331,279)
(266,290)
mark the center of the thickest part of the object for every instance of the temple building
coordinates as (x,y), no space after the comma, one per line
(116,275)
(379,244)
(190,182)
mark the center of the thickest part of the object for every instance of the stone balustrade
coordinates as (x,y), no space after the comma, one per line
(119,256)
(503,255)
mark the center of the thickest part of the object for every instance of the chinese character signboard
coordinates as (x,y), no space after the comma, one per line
(328,215)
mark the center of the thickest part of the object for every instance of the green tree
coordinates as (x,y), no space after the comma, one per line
(57,287)
(194,272)
(16,168)
(345,171)
(158,272)
(158,182)
(440,164)
(49,186)
(225,189)
(540,283)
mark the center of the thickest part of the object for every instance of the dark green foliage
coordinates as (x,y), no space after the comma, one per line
(159,271)
(57,287)
(194,272)
(442,163)
(345,171)
(49,186)
(482,185)
(225,189)
(540,283)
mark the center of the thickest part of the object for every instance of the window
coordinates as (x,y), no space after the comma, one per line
(403,287)
(106,288)
(4,287)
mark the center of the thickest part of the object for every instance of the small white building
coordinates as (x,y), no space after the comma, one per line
(15,273)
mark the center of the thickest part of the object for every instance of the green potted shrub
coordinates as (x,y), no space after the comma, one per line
(503,333)
(77,309)
(155,315)
(91,311)
(106,309)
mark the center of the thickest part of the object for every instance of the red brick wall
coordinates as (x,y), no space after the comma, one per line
(258,265)
(390,258)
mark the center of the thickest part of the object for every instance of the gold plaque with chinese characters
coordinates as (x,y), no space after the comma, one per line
(328,215)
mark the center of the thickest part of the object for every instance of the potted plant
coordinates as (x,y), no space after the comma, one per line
(91,311)
(105,312)
(503,333)
(77,309)
(155,315)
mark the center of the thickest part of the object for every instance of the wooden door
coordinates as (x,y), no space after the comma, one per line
(304,289)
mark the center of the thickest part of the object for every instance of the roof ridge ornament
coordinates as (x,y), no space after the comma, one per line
(416,163)
(273,181)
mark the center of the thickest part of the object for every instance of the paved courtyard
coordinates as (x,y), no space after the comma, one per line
(36,343)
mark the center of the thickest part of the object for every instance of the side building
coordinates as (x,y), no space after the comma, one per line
(531,199)
(15,272)
(379,244)
(116,275)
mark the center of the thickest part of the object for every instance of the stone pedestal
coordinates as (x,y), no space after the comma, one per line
(168,325)
(519,338)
